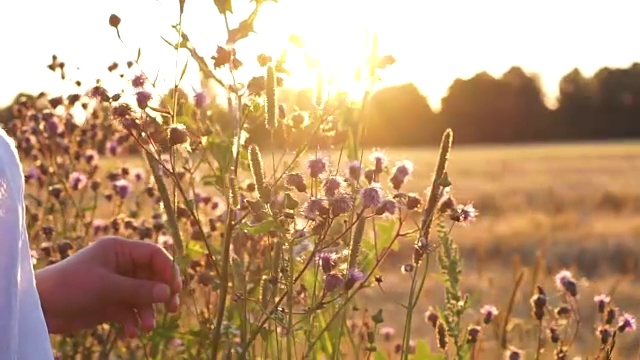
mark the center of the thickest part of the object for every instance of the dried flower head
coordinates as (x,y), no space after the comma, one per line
(489,312)
(602,301)
(565,282)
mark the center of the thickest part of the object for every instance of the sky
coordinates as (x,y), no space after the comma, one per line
(434,42)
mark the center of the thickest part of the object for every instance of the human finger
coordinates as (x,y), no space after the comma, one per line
(147,317)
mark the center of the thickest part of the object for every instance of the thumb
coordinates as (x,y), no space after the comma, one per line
(137,291)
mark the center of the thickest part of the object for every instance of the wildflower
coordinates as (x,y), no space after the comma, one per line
(138,81)
(77,180)
(142,99)
(354,169)
(554,334)
(464,213)
(314,208)
(387,332)
(340,205)
(566,282)
(604,333)
(353,276)
(513,354)
(138,174)
(626,322)
(413,202)
(332,282)
(316,166)
(177,134)
(112,148)
(538,303)
(200,99)
(601,301)
(371,196)
(91,157)
(380,160)
(122,187)
(473,332)
(296,181)
(99,93)
(388,206)
(401,171)
(332,186)
(489,312)
(432,317)
(122,111)
(327,261)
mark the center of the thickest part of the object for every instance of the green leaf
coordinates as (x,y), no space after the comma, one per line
(259,228)
(424,353)
(385,230)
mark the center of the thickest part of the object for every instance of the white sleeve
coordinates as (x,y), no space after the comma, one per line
(23,332)
(10,216)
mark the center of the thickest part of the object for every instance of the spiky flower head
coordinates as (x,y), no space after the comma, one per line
(565,282)
(371,196)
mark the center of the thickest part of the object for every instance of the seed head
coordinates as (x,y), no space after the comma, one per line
(565,282)
(604,333)
(114,20)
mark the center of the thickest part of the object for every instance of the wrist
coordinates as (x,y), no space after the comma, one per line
(46,284)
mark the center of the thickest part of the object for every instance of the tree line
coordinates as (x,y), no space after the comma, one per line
(488,109)
(510,109)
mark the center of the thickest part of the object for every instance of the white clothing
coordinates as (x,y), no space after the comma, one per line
(23,331)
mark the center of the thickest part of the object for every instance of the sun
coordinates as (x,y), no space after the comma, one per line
(331,41)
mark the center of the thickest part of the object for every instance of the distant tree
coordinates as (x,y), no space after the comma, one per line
(399,115)
(575,116)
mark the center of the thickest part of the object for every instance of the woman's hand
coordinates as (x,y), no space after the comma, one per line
(113,279)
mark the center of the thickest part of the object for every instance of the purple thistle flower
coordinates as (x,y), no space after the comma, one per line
(332,186)
(122,187)
(352,277)
(332,282)
(327,261)
(32,173)
(138,81)
(388,206)
(316,166)
(77,180)
(566,282)
(99,226)
(400,173)
(340,205)
(387,332)
(602,301)
(354,169)
(143,98)
(626,322)
(313,208)
(489,312)
(200,99)
(98,93)
(371,196)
